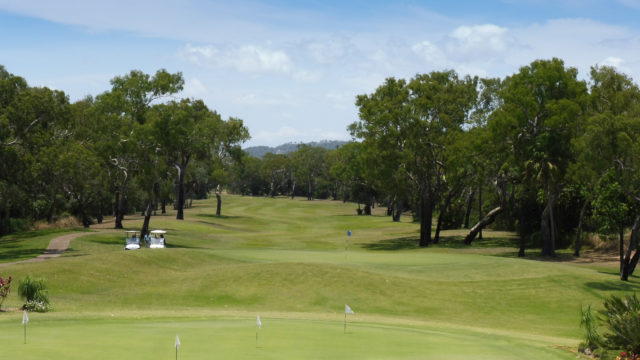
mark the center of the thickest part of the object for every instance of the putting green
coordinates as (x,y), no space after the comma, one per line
(235,338)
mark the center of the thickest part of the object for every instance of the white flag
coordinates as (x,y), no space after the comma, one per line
(177,342)
(347,309)
(25,318)
(258,322)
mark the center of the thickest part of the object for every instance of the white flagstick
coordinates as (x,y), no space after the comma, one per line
(25,320)
(258,327)
(347,310)
(177,345)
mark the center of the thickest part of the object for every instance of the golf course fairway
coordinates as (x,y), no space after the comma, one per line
(293,263)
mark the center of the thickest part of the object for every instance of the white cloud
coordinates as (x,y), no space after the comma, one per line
(194,88)
(247,58)
(431,53)
(612,61)
(486,40)
(331,51)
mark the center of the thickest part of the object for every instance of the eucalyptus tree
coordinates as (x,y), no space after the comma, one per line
(348,169)
(383,129)
(244,176)
(309,163)
(33,121)
(409,126)
(186,130)
(607,135)
(273,170)
(543,105)
(118,111)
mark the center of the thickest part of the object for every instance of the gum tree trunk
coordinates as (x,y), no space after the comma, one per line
(485,221)
(632,255)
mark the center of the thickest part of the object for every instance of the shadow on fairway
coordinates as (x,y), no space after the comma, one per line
(404,243)
(446,242)
(613,285)
(107,241)
(19,254)
(220,217)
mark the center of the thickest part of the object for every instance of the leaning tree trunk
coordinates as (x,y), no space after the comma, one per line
(485,221)
(632,255)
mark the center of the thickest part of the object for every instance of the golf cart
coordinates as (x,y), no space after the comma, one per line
(132,241)
(157,239)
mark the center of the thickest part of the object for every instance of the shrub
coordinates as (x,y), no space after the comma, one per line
(592,338)
(5,288)
(36,306)
(35,294)
(622,318)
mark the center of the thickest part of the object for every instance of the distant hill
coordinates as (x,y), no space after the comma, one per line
(260,151)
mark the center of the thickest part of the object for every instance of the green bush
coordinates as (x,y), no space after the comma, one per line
(591,339)
(621,317)
(35,294)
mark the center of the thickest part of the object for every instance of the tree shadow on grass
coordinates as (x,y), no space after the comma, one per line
(16,237)
(614,285)
(19,254)
(403,243)
(220,217)
(445,242)
(108,241)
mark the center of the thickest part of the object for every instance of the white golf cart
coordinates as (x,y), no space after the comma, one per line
(157,239)
(132,241)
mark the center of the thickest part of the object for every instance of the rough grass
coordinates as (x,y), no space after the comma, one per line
(292,262)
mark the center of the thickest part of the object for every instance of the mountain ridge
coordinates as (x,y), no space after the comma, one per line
(260,151)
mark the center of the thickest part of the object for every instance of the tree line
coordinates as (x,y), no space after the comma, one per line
(539,152)
(133,148)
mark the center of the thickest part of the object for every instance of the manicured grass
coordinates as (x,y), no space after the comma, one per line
(292,262)
(235,338)
(26,245)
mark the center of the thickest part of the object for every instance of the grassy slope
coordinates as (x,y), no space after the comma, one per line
(286,260)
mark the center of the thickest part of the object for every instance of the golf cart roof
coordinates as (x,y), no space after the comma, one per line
(131,231)
(158,232)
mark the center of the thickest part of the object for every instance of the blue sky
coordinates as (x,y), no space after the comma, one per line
(292,69)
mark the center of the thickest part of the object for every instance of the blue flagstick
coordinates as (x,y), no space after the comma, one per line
(346,245)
